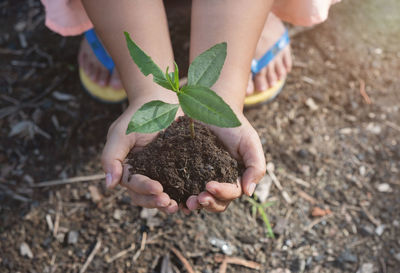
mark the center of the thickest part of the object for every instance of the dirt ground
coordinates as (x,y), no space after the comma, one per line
(332,136)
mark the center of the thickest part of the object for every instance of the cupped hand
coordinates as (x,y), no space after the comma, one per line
(243,143)
(143,191)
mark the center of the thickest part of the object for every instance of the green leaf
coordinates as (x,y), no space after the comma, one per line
(201,103)
(176,74)
(152,117)
(145,63)
(205,69)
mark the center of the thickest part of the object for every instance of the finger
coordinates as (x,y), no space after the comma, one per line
(253,157)
(224,191)
(142,184)
(186,211)
(208,202)
(192,203)
(114,152)
(150,201)
(260,81)
(171,208)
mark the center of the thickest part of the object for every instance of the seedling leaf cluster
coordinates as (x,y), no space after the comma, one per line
(196,98)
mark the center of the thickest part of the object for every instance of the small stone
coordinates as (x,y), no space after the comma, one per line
(397,256)
(280,270)
(345,131)
(25,250)
(374,128)
(311,104)
(348,257)
(148,213)
(366,268)
(60,237)
(73,236)
(380,229)
(396,223)
(281,225)
(117,214)
(263,188)
(384,187)
(362,170)
(367,230)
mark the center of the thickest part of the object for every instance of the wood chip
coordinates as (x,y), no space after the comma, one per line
(318,212)
(307,197)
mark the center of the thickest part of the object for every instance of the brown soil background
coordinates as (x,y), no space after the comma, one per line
(343,148)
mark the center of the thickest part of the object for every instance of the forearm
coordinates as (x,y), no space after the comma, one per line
(239,23)
(146,22)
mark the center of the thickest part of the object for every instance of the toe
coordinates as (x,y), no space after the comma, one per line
(115,81)
(280,69)
(103,76)
(271,74)
(260,80)
(287,59)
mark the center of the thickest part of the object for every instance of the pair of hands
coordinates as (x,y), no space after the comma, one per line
(242,143)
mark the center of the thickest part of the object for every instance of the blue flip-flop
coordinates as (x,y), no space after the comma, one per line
(264,96)
(105,94)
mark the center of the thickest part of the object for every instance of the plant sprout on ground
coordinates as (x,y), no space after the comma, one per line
(260,208)
(196,98)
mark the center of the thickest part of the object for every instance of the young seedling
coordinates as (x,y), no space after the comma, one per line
(260,208)
(196,98)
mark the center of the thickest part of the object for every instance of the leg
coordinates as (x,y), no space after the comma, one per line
(146,22)
(217,21)
(278,68)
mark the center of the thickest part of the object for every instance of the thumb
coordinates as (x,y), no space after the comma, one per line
(114,153)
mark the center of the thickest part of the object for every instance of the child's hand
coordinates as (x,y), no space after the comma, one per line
(244,144)
(143,191)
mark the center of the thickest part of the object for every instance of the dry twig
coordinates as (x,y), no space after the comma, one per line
(91,256)
(285,195)
(120,254)
(363,92)
(370,216)
(225,260)
(183,260)
(69,180)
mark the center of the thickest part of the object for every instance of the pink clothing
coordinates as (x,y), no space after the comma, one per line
(68,17)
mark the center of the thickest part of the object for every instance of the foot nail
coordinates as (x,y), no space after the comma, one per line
(108,180)
(251,189)
(205,204)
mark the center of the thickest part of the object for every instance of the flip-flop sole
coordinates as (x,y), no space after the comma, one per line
(104,94)
(264,96)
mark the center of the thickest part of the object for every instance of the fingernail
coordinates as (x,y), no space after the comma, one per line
(212,191)
(108,180)
(161,203)
(251,189)
(205,204)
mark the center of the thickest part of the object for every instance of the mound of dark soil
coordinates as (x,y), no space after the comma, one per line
(184,165)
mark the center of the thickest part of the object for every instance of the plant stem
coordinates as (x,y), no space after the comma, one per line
(192,128)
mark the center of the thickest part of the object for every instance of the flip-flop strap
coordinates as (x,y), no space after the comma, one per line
(257,65)
(99,50)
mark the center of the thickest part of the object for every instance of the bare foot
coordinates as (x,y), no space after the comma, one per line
(279,66)
(94,69)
